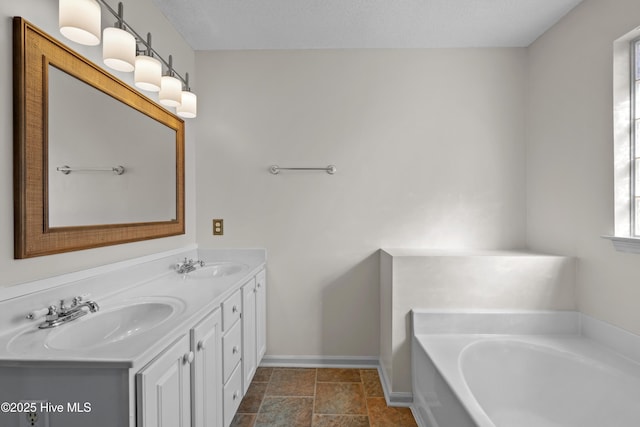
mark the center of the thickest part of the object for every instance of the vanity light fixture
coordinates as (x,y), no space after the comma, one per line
(170,88)
(119,46)
(125,50)
(148,72)
(188,109)
(80,21)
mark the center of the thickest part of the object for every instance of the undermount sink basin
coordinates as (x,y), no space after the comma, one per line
(217,269)
(110,326)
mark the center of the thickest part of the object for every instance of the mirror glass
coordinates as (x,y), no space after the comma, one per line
(108,163)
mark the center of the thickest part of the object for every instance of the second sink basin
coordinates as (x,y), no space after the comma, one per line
(217,269)
(106,327)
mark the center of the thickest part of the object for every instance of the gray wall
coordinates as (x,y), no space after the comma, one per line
(429,146)
(570,188)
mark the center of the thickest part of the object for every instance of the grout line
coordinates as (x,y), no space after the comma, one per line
(255,420)
(366,400)
(342,415)
(287,396)
(315,393)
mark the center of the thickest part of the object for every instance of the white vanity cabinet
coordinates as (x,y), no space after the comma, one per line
(254,326)
(185,382)
(193,375)
(164,388)
(249,355)
(206,371)
(261,315)
(232,392)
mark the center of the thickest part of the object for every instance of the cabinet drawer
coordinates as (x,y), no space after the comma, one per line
(232,395)
(231,350)
(231,310)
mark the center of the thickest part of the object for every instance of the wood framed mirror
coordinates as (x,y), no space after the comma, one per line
(79,183)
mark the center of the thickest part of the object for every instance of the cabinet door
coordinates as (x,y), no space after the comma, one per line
(164,388)
(206,399)
(261,316)
(248,333)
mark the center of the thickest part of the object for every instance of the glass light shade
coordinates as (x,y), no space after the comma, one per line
(189,107)
(170,91)
(79,21)
(148,73)
(118,49)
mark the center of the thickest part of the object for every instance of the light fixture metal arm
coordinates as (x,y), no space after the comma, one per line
(151,51)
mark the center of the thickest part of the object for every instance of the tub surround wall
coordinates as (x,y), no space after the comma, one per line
(570,173)
(450,280)
(429,150)
(143,16)
(495,322)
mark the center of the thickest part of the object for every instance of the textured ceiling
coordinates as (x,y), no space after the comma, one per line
(318,24)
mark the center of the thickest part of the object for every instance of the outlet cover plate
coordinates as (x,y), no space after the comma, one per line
(218,227)
(34,419)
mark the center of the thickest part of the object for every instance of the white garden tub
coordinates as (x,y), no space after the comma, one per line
(528,370)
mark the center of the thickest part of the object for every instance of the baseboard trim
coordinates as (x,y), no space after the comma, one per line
(418,417)
(403,399)
(320,361)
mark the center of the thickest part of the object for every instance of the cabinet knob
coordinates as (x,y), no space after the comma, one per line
(259,284)
(234,309)
(235,349)
(201,345)
(188,358)
(236,394)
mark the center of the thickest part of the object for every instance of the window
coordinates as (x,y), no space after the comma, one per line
(626,140)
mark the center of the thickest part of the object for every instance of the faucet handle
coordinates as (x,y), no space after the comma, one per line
(37,314)
(93,306)
(52,313)
(77,300)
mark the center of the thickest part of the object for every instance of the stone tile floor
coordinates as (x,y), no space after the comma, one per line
(323,397)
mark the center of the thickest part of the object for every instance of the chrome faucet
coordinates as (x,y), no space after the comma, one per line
(188,265)
(56,316)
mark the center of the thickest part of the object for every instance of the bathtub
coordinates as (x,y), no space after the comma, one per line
(525,370)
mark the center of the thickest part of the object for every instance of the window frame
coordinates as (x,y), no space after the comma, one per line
(623,236)
(634,72)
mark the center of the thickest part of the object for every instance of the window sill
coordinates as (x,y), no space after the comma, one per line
(625,244)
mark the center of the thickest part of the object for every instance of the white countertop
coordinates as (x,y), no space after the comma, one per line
(192,298)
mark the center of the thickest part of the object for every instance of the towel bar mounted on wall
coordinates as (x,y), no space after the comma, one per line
(118,170)
(275,169)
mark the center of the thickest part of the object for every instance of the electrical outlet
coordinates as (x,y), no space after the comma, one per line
(218,227)
(36,418)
